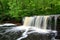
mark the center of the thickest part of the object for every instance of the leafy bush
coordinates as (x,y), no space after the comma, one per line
(17,9)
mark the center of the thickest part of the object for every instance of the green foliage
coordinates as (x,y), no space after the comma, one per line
(16,9)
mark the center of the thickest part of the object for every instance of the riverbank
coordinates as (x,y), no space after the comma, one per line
(13,22)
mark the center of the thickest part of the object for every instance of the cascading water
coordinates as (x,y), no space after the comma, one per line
(36,25)
(38,21)
(41,21)
(29,21)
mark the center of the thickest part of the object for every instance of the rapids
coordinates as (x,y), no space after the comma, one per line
(33,28)
(26,30)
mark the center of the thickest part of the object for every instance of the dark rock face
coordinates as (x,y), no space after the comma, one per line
(52,23)
(34,36)
(16,35)
(58,28)
(10,36)
(38,37)
(58,24)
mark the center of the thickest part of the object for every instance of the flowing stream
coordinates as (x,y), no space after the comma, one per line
(36,25)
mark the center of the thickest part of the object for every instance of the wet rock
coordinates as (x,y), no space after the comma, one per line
(10,36)
(15,35)
(37,36)
(58,28)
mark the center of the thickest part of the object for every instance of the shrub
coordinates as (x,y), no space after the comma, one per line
(17,9)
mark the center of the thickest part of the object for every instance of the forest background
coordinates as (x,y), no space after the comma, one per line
(15,10)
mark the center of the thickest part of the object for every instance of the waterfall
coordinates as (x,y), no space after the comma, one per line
(35,25)
(37,21)
(56,21)
(45,20)
(29,21)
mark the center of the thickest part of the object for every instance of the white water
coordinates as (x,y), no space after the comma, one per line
(41,22)
(29,21)
(36,24)
(27,31)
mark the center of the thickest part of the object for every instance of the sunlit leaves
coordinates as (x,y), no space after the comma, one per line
(20,8)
